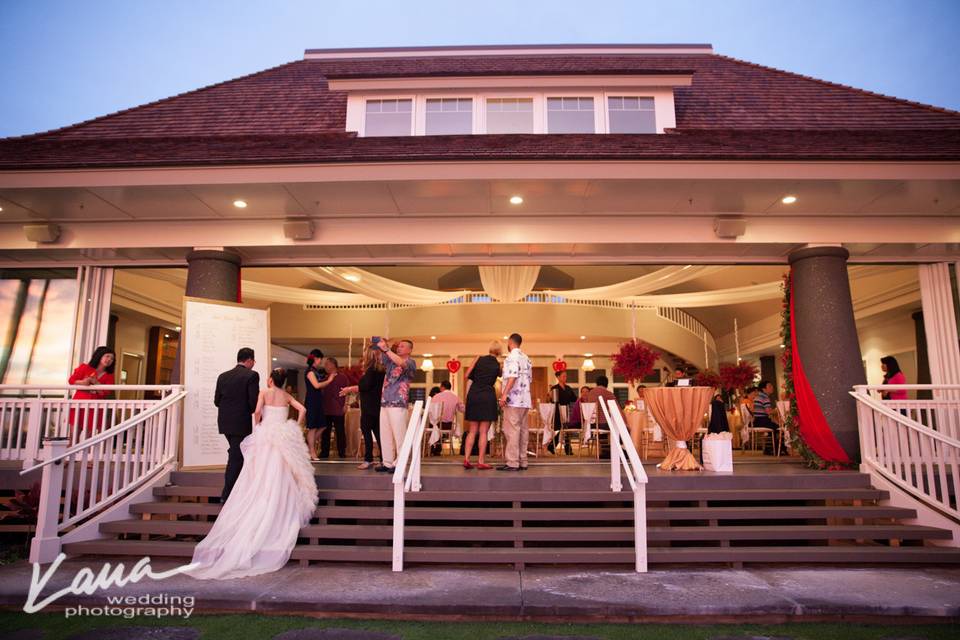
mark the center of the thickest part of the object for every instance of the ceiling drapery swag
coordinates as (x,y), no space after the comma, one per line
(719,297)
(378,287)
(659,279)
(509,284)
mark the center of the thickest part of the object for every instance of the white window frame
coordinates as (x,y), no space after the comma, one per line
(664,113)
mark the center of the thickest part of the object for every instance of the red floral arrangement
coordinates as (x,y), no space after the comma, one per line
(634,361)
(353,373)
(707,378)
(737,376)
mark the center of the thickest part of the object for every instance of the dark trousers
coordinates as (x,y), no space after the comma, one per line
(552,446)
(370,428)
(334,422)
(767,423)
(234,463)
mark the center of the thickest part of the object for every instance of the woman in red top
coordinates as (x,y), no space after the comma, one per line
(893,375)
(96,372)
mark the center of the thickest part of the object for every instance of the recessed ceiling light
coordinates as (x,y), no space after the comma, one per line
(352,277)
(583,337)
(588,355)
(166,335)
(176,328)
(788,199)
(240,204)
(783,346)
(433,337)
(506,337)
(274,359)
(516,200)
(1,208)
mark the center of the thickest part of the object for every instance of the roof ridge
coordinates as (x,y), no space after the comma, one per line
(75,125)
(840,85)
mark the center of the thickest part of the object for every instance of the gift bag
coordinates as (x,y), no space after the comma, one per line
(717,454)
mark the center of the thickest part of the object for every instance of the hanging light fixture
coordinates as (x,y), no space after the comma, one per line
(427,362)
(588,364)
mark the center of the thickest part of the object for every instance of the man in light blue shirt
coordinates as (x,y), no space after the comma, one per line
(515,400)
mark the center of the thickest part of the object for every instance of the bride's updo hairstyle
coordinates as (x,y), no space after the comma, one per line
(279,376)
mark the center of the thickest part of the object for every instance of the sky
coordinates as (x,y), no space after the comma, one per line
(63,62)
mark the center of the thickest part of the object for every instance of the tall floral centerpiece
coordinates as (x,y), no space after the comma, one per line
(634,361)
(737,376)
(707,378)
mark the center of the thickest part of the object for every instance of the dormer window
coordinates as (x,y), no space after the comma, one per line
(631,114)
(497,105)
(392,117)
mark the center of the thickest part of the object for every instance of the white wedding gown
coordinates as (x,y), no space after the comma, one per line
(273,497)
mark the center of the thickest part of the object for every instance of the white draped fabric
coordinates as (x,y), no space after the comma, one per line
(659,279)
(509,284)
(736,295)
(378,287)
(547,410)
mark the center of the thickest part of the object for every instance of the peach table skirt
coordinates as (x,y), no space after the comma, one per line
(351,421)
(679,412)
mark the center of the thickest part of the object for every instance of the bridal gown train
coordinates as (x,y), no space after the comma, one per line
(274,496)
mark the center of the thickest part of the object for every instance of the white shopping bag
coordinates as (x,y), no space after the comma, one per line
(717,454)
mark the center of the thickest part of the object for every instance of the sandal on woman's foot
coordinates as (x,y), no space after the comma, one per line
(364,465)
(483,467)
(467,465)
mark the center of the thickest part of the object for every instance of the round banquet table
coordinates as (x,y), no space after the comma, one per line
(679,411)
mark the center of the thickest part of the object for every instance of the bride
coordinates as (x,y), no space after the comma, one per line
(274,496)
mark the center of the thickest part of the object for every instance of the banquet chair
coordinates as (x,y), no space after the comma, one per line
(783,408)
(746,418)
(589,432)
(573,434)
(535,429)
(434,433)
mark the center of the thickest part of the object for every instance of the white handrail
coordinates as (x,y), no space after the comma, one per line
(81,481)
(914,457)
(93,387)
(621,441)
(401,483)
(112,431)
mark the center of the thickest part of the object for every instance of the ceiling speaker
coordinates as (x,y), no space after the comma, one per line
(298,229)
(729,228)
(42,232)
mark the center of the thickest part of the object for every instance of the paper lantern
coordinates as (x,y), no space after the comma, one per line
(453,366)
(559,365)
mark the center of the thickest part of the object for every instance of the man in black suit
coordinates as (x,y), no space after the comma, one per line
(236,400)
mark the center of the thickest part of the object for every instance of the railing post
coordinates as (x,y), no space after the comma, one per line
(45,545)
(34,428)
(398,522)
(640,526)
(616,483)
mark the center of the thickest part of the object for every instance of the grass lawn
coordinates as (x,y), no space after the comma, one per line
(255,627)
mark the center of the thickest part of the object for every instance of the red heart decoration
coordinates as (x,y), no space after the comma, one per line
(453,366)
(559,365)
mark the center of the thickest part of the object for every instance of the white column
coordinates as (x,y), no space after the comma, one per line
(940,323)
(95,290)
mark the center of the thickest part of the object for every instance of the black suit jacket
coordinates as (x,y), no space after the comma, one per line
(236,400)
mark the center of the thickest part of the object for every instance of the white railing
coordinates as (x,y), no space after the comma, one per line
(623,453)
(82,480)
(920,458)
(406,475)
(30,414)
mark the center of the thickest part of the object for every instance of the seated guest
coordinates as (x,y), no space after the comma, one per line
(765,413)
(450,404)
(599,394)
(574,421)
(640,403)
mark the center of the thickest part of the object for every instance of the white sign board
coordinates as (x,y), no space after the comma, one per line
(212,334)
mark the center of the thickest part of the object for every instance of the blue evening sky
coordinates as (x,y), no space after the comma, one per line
(66,61)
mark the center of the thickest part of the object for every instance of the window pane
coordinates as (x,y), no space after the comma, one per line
(632,115)
(446,116)
(570,115)
(510,115)
(388,118)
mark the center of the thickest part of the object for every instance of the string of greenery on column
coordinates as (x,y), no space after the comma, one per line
(810,458)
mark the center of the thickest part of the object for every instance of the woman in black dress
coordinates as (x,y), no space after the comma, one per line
(316,380)
(369,388)
(482,407)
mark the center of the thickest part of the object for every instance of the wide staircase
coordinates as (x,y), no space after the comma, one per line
(549,518)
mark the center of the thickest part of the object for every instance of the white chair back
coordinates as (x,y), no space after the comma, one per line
(588,416)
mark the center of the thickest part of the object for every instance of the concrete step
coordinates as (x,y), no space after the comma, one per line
(834,554)
(508,533)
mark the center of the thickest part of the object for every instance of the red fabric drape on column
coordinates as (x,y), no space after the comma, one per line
(814,429)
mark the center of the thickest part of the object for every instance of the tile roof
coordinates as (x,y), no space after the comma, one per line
(733,109)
